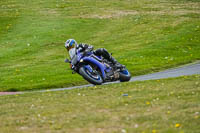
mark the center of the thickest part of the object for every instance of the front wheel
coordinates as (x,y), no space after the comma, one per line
(124,75)
(90,76)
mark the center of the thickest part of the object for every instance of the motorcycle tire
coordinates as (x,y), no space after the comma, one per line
(94,79)
(124,75)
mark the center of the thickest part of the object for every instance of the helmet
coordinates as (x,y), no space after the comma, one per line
(70,43)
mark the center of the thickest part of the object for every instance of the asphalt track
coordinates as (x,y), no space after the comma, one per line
(189,69)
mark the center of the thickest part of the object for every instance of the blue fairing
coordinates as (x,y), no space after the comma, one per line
(125,72)
(88,67)
(97,63)
(99,57)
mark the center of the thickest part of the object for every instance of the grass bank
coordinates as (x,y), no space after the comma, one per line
(159,106)
(146,36)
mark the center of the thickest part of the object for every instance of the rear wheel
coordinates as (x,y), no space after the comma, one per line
(124,75)
(91,76)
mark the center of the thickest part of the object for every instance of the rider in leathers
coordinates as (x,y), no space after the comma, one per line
(99,52)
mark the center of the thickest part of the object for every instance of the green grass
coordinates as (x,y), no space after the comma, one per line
(159,106)
(146,36)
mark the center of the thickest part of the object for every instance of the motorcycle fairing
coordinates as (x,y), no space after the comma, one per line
(88,67)
(97,63)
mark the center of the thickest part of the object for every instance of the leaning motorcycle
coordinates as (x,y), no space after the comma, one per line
(95,69)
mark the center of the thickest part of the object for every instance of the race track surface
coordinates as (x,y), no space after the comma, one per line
(190,69)
(185,70)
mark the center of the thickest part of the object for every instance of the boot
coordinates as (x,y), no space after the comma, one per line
(103,52)
(116,63)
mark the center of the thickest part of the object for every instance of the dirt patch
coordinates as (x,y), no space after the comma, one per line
(172,9)
(120,13)
(163,6)
(110,14)
(173,12)
(9,93)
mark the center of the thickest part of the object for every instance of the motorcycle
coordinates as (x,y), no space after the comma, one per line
(96,69)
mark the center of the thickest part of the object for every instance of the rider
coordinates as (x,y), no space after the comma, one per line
(72,44)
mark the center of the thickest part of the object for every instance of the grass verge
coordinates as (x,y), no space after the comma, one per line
(169,105)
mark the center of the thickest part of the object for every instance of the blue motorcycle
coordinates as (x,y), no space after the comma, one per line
(95,69)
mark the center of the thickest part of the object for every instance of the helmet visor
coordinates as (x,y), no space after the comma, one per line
(70,47)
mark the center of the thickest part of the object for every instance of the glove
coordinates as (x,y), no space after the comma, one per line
(72,66)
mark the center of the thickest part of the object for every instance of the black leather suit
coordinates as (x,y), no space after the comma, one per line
(99,52)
